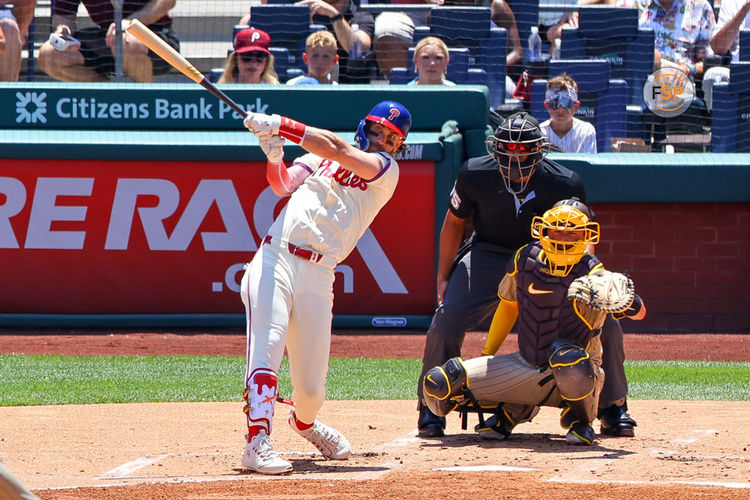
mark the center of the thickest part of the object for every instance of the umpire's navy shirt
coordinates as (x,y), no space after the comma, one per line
(500,217)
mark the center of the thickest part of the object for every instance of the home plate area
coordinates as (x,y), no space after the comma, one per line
(193,450)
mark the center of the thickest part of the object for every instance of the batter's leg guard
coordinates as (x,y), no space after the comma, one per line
(260,397)
(441,384)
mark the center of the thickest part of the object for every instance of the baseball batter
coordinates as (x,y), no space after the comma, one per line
(559,359)
(336,191)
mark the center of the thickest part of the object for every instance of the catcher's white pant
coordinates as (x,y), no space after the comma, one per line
(289,302)
(509,379)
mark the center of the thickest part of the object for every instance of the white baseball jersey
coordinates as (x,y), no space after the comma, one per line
(581,138)
(289,299)
(333,207)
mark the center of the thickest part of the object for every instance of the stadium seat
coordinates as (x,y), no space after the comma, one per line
(527,15)
(730,127)
(612,33)
(603,100)
(472,28)
(288,26)
(744,45)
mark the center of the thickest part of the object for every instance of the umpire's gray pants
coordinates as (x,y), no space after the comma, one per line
(470,301)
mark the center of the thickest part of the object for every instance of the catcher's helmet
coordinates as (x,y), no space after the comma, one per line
(517,145)
(574,229)
(391,115)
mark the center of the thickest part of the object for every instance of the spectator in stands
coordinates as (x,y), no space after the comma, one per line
(320,57)
(503,17)
(93,60)
(734,15)
(250,61)
(15,19)
(562,20)
(338,16)
(563,129)
(394,34)
(431,58)
(682,31)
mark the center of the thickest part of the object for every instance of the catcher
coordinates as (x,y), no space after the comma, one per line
(561,295)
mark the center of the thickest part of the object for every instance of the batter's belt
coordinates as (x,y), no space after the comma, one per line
(301,252)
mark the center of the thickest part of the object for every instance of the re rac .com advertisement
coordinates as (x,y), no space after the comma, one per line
(159,237)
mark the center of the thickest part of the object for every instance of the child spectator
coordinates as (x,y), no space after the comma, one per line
(251,61)
(563,129)
(320,57)
(431,58)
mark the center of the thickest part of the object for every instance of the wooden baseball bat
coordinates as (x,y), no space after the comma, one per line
(177,61)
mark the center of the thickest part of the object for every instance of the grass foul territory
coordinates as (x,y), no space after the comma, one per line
(52,380)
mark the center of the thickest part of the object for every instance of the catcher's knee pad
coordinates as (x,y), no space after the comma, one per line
(442,383)
(573,370)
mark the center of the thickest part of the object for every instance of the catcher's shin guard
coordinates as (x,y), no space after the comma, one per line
(441,383)
(260,396)
(575,376)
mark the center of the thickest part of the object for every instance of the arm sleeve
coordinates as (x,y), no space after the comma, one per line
(284,181)
(502,322)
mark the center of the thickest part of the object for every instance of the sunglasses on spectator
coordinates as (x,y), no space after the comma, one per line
(560,102)
(516,147)
(254,56)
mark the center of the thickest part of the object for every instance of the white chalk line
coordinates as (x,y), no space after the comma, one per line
(691,483)
(486,468)
(132,466)
(698,434)
(122,472)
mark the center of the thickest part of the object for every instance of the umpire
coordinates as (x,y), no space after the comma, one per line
(501,205)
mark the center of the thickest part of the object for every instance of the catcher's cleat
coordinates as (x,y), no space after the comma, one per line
(429,424)
(259,456)
(615,421)
(580,433)
(330,442)
(567,418)
(497,427)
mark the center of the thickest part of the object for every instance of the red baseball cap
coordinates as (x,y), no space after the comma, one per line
(252,40)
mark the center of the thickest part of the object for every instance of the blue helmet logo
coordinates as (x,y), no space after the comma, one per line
(391,115)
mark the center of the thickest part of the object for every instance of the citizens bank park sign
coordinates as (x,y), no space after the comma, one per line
(49,109)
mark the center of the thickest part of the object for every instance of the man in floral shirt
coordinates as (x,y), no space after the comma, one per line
(682,30)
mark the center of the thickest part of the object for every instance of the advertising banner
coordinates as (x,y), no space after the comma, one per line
(160,237)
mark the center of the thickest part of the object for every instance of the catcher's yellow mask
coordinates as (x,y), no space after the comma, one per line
(564,232)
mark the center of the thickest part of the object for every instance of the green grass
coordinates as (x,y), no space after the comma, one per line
(46,380)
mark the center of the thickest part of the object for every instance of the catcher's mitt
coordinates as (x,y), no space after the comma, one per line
(604,290)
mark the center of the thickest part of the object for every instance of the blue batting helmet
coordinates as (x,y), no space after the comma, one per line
(391,115)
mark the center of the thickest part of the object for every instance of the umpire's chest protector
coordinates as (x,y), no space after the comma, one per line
(544,312)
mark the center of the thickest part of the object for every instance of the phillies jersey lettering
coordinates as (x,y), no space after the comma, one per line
(333,207)
(343,176)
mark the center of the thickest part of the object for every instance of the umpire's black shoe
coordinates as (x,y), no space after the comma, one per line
(429,424)
(616,421)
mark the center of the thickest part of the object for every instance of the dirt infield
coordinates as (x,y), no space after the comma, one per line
(192,450)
